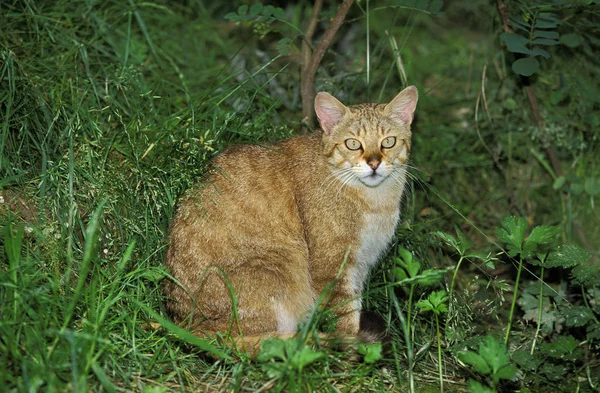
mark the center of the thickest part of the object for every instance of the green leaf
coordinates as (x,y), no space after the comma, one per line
(545,34)
(545,41)
(242,10)
(559,182)
(256,9)
(278,13)
(543,234)
(526,361)
(436,6)
(592,186)
(515,43)
(271,348)
(232,16)
(568,255)
(494,353)
(304,357)
(371,352)
(527,66)
(421,4)
(536,51)
(561,348)
(476,387)
(475,361)
(587,275)
(512,233)
(510,104)
(268,10)
(572,40)
(507,372)
(578,316)
(424,305)
(546,20)
(406,261)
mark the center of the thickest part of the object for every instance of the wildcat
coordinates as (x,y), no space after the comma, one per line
(272,227)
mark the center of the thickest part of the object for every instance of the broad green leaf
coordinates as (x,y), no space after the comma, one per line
(554,372)
(526,361)
(561,348)
(559,182)
(545,41)
(242,10)
(475,361)
(399,274)
(256,9)
(271,348)
(527,66)
(546,20)
(578,316)
(593,332)
(512,233)
(421,4)
(494,353)
(572,40)
(515,43)
(304,357)
(435,6)
(268,10)
(232,16)
(476,387)
(567,255)
(543,234)
(576,187)
(439,299)
(592,186)
(424,305)
(510,104)
(507,372)
(448,239)
(371,352)
(545,34)
(587,275)
(536,51)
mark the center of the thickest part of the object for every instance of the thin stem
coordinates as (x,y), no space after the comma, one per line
(439,345)
(540,307)
(514,301)
(454,278)
(409,311)
(407,340)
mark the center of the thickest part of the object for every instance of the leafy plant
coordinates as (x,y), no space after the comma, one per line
(286,359)
(491,360)
(512,234)
(436,303)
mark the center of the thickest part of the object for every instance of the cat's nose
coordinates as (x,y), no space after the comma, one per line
(374,164)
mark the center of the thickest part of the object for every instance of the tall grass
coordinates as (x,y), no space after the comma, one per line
(109,110)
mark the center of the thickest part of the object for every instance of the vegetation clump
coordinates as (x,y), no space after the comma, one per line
(109,110)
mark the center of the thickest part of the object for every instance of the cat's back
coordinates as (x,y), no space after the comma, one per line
(247,197)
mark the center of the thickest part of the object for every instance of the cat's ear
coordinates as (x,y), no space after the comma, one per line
(402,107)
(329,111)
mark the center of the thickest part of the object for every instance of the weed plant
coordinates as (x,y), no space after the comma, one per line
(109,110)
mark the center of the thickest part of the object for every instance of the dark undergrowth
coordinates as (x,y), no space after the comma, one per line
(109,110)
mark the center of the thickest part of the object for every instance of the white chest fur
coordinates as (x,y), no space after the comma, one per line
(375,238)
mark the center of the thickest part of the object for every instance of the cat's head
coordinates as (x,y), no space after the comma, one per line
(367,144)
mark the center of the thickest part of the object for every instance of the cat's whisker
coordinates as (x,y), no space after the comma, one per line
(336,175)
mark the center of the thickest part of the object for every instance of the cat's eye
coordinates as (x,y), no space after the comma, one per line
(353,144)
(388,142)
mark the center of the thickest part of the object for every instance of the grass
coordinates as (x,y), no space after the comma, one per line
(108,111)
